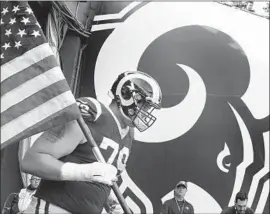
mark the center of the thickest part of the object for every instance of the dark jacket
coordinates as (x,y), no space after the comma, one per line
(10,204)
(232,210)
(170,207)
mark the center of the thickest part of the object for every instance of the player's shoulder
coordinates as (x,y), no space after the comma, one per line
(92,106)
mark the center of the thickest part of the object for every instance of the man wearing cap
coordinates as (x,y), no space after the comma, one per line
(178,204)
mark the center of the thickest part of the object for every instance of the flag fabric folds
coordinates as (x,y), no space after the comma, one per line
(35,95)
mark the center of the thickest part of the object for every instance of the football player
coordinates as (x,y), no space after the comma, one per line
(72,179)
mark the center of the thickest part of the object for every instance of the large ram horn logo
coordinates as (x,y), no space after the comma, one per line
(214,122)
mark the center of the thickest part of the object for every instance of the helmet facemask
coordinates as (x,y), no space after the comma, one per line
(140,112)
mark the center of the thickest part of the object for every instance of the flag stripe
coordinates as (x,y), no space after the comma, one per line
(30,87)
(34,93)
(26,60)
(69,113)
(32,117)
(27,74)
(36,100)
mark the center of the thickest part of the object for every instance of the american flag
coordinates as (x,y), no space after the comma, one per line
(34,93)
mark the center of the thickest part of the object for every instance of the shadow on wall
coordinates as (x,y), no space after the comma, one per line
(10,172)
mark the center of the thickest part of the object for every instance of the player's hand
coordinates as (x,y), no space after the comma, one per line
(92,172)
(101,173)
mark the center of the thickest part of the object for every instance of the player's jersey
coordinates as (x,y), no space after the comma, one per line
(113,141)
(86,197)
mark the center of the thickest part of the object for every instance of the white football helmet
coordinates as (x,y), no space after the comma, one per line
(137,95)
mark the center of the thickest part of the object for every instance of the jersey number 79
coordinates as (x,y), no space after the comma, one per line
(122,155)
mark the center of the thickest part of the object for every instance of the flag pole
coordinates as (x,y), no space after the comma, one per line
(100,158)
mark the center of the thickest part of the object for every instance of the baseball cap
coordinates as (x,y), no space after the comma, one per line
(181,183)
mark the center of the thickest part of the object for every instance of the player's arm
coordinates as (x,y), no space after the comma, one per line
(42,158)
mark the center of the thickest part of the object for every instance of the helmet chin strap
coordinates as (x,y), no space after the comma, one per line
(124,115)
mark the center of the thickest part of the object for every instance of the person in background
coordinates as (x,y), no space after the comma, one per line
(24,198)
(178,204)
(240,206)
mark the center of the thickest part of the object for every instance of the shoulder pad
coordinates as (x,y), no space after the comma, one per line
(90,108)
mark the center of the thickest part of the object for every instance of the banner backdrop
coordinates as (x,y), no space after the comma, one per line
(212,63)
